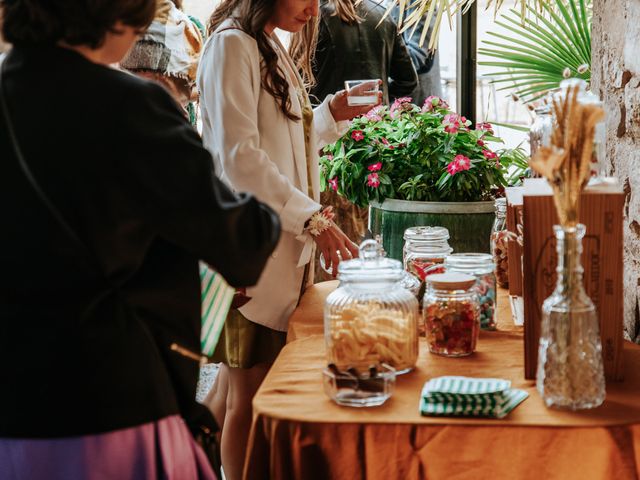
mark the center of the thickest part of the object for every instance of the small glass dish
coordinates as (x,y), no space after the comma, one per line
(362,92)
(351,388)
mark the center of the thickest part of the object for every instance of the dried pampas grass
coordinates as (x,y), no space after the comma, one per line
(566,164)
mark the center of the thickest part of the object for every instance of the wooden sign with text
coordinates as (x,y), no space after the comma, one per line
(602,212)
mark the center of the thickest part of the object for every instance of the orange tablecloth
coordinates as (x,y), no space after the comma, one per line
(299,433)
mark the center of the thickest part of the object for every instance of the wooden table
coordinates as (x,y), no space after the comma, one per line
(298,432)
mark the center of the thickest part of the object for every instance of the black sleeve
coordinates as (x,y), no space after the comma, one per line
(403,77)
(169,178)
(402,74)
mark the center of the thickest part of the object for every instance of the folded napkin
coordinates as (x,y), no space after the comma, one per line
(474,397)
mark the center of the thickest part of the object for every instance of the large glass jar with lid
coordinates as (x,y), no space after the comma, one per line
(425,247)
(451,314)
(499,243)
(481,266)
(371,318)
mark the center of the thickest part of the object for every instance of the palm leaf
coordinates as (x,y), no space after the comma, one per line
(411,11)
(548,43)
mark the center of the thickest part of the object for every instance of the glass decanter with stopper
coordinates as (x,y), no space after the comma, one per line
(570,370)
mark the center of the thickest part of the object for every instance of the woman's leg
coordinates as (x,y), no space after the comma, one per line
(243,384)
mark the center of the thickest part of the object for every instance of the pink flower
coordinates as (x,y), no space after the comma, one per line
(399,102)
(489,155)
(480,143)
(486,126)
(451,122)
(452,168)
(357,135)
(329,157)
(459,164)
(333,184)
(373,180)
(400,105)
(386,143)
(375,167)
(432,102)
(374,114)
(452,128)
(463,162)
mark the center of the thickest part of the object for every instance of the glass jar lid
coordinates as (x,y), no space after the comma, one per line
(426,234)
(371,265)
(469,262)
(451,281)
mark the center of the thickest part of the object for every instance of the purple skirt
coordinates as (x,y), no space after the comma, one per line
(158,450)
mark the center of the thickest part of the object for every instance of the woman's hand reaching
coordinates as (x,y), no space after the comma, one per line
(330,242)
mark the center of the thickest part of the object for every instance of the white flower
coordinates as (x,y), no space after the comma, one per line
(318,223)
(566,73)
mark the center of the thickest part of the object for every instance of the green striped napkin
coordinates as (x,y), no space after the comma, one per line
(216,298)
(465,396)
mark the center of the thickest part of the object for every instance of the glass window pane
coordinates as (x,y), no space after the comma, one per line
(495,105)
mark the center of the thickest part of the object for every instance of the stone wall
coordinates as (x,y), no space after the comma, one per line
(616,78)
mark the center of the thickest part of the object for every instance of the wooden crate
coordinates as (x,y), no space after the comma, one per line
(602,213)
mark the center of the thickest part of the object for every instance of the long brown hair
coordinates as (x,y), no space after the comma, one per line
(252,17)
(346,10)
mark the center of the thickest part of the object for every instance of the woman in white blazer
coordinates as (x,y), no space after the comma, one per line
(264,137)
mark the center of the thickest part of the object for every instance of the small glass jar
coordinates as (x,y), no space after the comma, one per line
(451,314)
(423,248)
(541,129)
(499,242)
(481,266)
(371,319)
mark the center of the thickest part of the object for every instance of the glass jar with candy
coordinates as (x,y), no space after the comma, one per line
(425,247)
(451,314)
(499,242)
(371,319)
(481,266)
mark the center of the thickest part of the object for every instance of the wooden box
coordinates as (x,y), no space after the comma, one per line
(602,213)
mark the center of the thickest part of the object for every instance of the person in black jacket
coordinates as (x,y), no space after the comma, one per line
(352,46)
(426,63)
(92,300)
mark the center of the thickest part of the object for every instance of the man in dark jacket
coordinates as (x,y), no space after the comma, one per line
(352,46)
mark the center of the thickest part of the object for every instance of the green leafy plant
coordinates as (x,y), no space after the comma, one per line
(542,49)
(412,153)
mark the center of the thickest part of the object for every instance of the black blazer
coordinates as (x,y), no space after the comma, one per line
(132,178)
(361,51)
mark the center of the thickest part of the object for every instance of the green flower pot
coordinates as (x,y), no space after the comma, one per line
(469,223)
